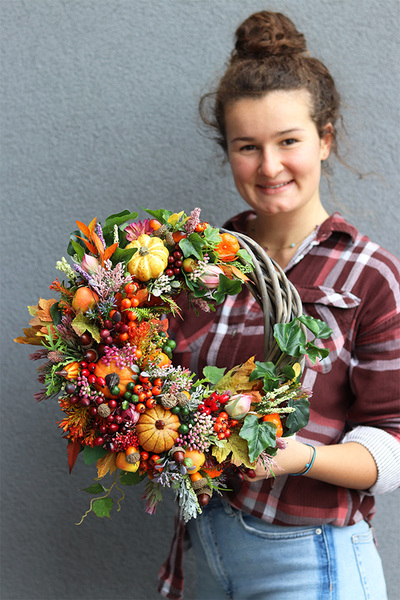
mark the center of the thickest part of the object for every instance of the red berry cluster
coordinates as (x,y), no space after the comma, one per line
(175,262)
(213,403)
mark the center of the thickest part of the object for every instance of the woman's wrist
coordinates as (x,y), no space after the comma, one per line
(308,464)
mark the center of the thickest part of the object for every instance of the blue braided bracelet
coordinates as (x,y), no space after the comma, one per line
(308,465)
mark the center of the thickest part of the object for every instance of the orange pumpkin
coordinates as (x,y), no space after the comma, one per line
(157,429)
(151,257)
(125,376)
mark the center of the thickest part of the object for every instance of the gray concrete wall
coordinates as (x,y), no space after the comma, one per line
(99,113)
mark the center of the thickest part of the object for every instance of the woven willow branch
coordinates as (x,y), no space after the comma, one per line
(275,294)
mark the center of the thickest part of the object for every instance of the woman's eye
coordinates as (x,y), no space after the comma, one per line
(289,142)
(247,148)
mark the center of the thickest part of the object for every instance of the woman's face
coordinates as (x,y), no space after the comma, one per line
(275,151)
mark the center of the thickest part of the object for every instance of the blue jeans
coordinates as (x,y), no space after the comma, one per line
(241,557)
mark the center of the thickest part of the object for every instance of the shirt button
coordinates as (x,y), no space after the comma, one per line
(318,531)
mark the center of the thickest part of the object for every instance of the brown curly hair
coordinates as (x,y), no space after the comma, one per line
(271,55)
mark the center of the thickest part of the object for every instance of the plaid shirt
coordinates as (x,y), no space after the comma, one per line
(353,285)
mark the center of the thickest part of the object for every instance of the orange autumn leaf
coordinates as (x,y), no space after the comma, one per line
(109,251)
(98,243)
(88,245)
(32,336)
(92,225)
(237,379)
(106,464)
(231,270)
(84,228)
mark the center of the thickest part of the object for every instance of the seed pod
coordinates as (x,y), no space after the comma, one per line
(181,398)
(104,410)
(200,485)
(168,401)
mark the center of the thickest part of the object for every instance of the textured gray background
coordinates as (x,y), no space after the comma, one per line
(99,113)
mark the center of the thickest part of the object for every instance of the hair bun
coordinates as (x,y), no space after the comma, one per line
(267,34)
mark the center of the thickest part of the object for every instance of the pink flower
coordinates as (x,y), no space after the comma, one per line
(210,277)
(239,406)
(89,263)
(135,229)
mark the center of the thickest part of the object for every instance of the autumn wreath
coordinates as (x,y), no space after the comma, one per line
(108,358)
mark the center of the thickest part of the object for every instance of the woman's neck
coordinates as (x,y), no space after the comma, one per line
(281,235)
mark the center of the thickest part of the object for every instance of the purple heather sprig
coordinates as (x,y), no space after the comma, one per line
(193,221)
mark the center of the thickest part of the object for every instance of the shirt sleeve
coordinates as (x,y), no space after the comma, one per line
(385,450)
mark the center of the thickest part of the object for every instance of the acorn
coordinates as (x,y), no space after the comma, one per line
(200,484)
(204,496)
(178,454)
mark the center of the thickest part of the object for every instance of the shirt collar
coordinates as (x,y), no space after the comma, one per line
(334,223)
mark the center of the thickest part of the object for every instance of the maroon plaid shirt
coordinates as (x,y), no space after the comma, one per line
(353,285)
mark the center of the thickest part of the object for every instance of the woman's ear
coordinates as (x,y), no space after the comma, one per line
(326,141)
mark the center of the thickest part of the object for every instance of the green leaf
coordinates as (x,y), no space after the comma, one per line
(75,245)
(259,435)
(289,372)
(192,246)
(213,374)
(226,286)
(211,236)
(129,478)
(245,255)
(313,352)
(96,488)
(102,507)
(263,369)
(299,418)
(122,255)
(290,338)
(118,219)
(92,454)
(81,323)
(161,215)
(55,313)
(319,328)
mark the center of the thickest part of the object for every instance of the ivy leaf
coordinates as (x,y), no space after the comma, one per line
(75,247)
(313,352)
(289,372)
(240,451)
(96,488)
(92,454)
(299,418)
(102,507)
(211,236)
(192,246)
(213,374)
(226,286)
(319,328)
(264,369)
(259,435)
(290,338)
(161,215)
(221,452)
(245,256)
(130,478)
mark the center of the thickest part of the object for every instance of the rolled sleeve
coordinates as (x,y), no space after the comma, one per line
(385,450)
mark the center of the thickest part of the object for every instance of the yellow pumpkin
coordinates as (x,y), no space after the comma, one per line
(151,258)
(157,429)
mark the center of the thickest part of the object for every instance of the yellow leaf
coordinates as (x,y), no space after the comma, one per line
(297,369)
(106,464)
(240,451)
(221,453)
(31,336)
(237,379)
(174,218)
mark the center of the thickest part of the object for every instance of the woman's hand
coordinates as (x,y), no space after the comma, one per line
(348,465)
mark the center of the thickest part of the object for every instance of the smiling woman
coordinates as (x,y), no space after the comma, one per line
(275,113)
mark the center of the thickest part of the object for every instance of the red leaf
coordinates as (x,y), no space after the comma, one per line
(73,450)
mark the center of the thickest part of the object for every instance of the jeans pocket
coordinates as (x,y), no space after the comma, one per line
(369,566)
(262,529)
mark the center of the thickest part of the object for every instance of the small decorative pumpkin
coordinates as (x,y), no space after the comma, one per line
(157,429)
(125,376)
(151,258)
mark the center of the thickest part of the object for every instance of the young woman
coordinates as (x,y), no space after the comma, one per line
(305,533)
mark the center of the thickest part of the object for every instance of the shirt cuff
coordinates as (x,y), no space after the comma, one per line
(385,450)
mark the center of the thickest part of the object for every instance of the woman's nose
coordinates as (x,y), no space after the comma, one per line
(270,163)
